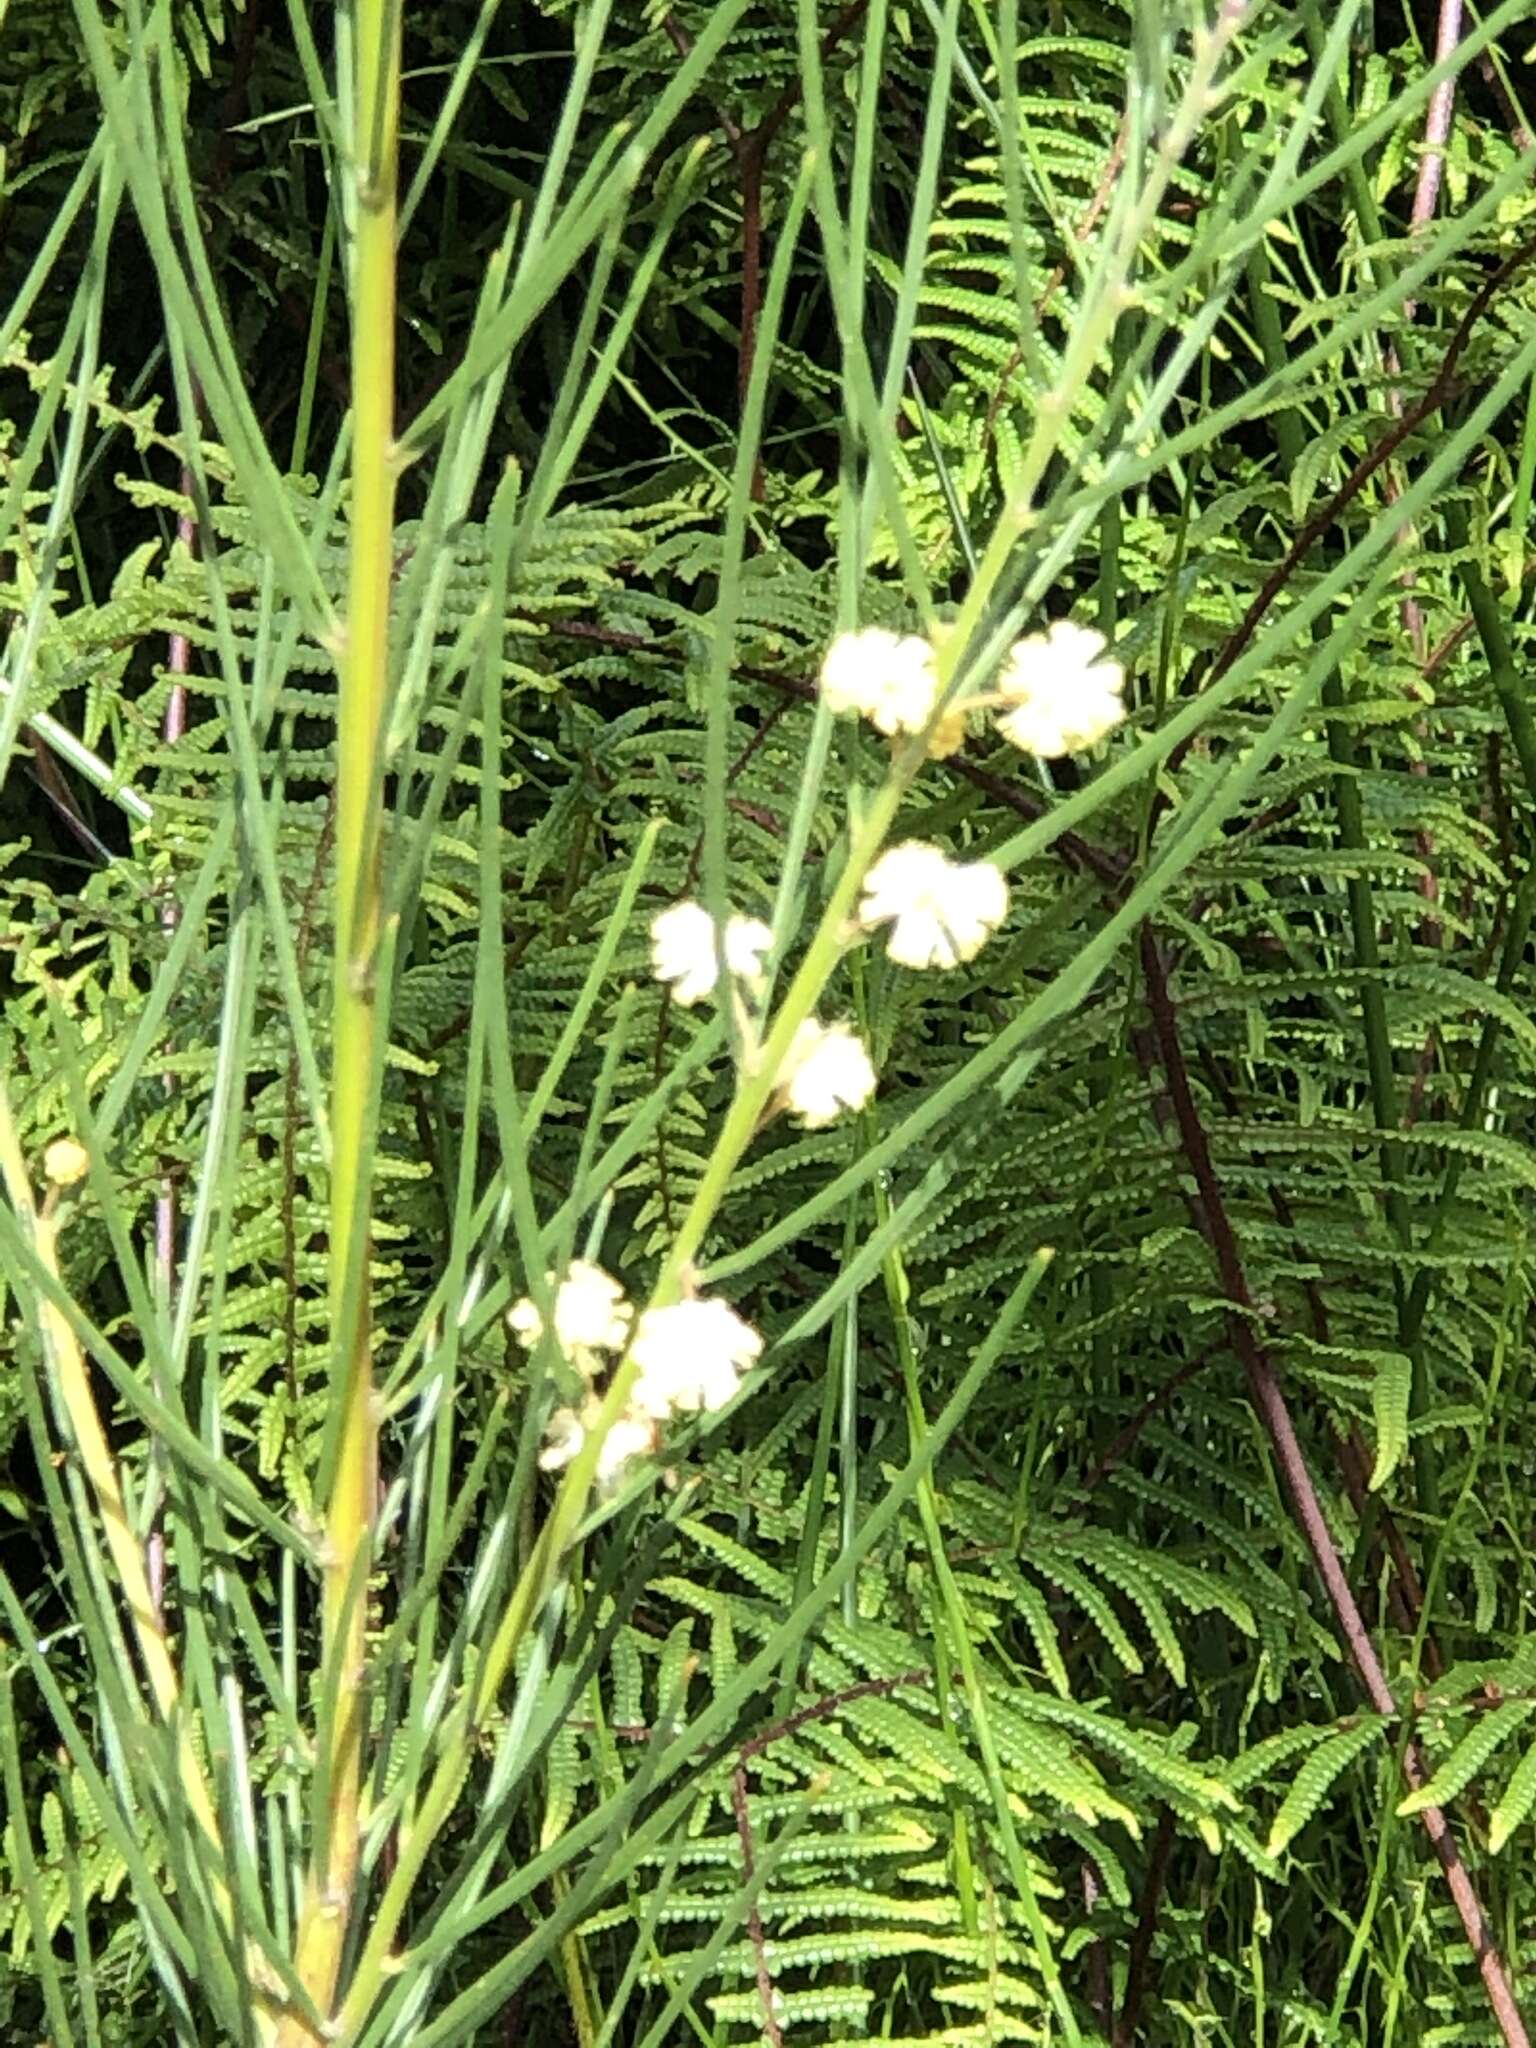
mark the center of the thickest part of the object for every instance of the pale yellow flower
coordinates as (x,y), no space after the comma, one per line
(683,950)
(591,1313)
(562,1440)
(888,678)
(948,735)
(691,1356)
(630,1437)
(825,1072)
(1063,690)
(940,911)
(65,1162)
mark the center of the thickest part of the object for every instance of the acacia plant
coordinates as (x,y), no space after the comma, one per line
(765,1107)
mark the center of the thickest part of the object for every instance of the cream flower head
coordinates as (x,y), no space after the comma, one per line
(1063,690)
(683,950)
(562,1440)
(630,1437)
(940,911)
(691,1356)
(65,1162)
(591,1313)
(825,1071)
(888,678)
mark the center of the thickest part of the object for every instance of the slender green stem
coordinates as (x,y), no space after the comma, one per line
(77,1403)
(1508,678)
(756,1083)
(364,666)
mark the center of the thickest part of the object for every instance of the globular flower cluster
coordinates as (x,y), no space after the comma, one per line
(825,1071)
(65,1162)
(591,1315)
(689,1358)
(1063,695)
(940,911)
(684,954)
(1060,691)
(888,678)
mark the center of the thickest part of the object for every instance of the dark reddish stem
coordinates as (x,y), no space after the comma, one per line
(824,1709)
(1269,1401)
(1119,1446)
(789,98)
(830,1705)
(1437,124)
(772,2032)
(1146,1929)
(1405,1592)
(750,148)
(1114,163)
(682,42)
(1101,1997)
(55,786)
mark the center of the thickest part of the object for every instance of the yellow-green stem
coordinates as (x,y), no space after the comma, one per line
(364,664)
(72,1387)
(756,1086)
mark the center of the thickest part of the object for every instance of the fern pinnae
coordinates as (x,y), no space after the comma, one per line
(1133,1583)
(1029,1602)
(1315,1780)
(1514,1803)
(1455,1772)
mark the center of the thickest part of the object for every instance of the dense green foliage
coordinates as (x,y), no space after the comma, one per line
(1065,1729)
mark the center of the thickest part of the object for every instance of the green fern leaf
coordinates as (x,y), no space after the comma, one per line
(564,1775)
(1391,1392)
(1316,1779)
(1518,1797)
(1468,1757)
